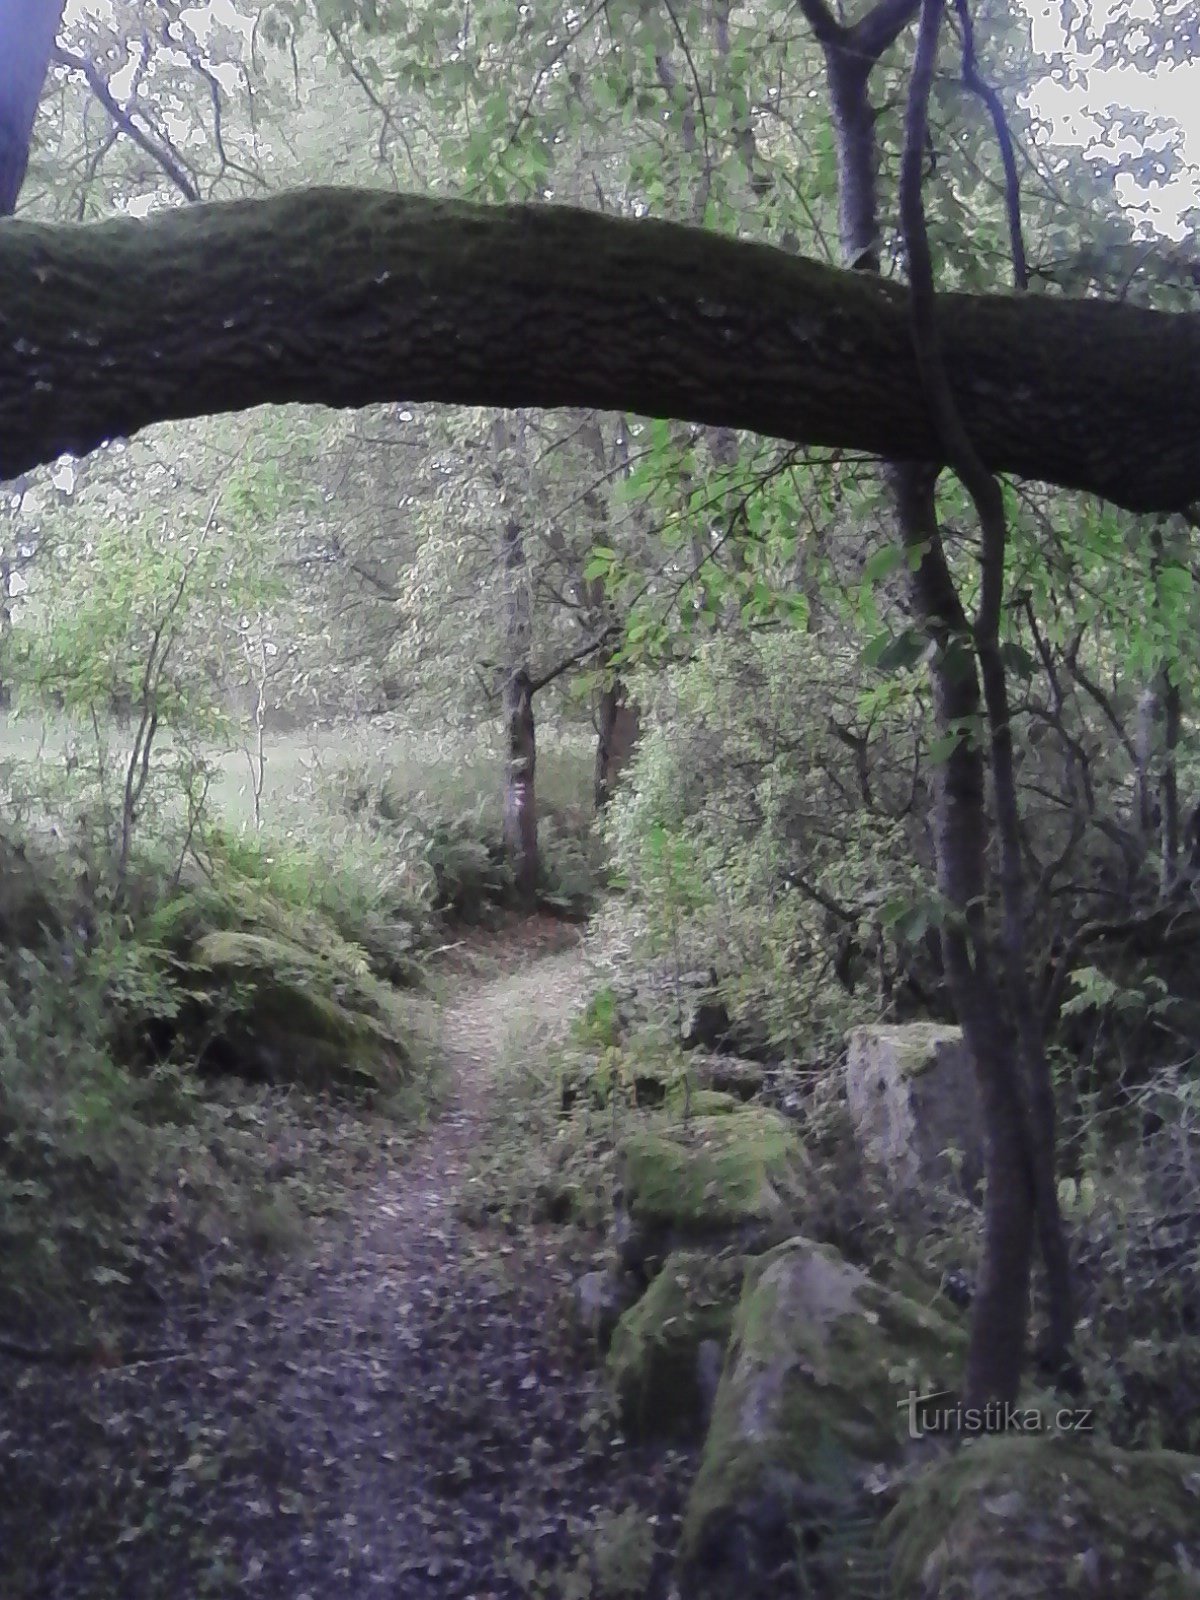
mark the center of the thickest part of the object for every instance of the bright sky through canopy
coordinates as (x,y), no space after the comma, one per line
(1168,91)
(1074,110)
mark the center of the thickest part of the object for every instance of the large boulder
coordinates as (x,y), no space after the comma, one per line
(1043,1516)
(293,1015)
(811,1403)
(912,1095)
(667,1350)
(735,1176)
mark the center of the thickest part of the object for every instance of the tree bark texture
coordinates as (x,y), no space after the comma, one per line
(520,793)
(347,297)
(617,729)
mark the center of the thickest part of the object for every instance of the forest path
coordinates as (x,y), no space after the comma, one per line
(404,1412)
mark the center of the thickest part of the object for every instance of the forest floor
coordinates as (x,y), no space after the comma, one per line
(402,1409)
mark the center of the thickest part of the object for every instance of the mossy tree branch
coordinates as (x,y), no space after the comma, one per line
(348,297)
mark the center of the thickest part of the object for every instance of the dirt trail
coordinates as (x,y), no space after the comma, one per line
(404,1412)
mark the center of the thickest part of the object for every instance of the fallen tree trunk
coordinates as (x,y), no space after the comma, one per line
(347,297)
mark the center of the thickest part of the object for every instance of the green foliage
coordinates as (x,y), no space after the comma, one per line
(465,854)
(81,1136)
(744,840)
(600,1021)
(1132,1202)
(123,642)
(135,617)
(120,1163)
(774,828)
(443,820)
(534,1163)
(1095,991)
(117,1180)
(330,877)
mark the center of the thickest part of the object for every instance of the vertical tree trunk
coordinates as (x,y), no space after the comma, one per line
(520,731)
(1168,787)
(1032,1095)
(1145,735)
(520,792)
(617,728)
(1000,1312)
(1159,747)
(1157,727)
(1042,1112)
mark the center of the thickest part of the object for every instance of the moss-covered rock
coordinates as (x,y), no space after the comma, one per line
(1044,1516)
(289,1014)
(912,1095)
(700,1102)
(811,1401)
(729,1074)
(737,1176)
(713,1173)
(667,1347)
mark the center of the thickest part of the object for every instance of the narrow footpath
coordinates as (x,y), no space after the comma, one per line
(406,1412)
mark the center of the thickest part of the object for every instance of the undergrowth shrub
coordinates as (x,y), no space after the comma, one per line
(464,852)
(749,847)
(374,898)
(535,1163)
(119,1184)
(255,949)
(122,1166)
(446,822)
(1132,1206)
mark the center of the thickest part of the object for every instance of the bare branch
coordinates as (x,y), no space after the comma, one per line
(882,26)
(158,151)
(588,648)
(973,80)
